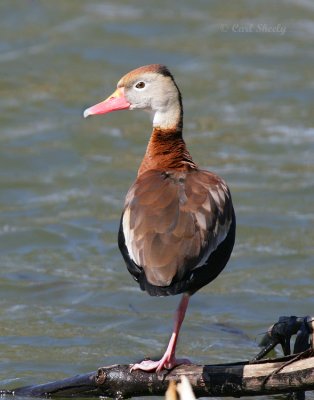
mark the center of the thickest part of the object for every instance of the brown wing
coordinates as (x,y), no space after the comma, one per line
(173,221)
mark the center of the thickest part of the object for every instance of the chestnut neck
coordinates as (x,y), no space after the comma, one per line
(166,150)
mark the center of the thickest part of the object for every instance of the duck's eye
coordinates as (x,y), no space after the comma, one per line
(140,85)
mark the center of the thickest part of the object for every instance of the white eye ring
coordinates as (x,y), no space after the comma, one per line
(140,85)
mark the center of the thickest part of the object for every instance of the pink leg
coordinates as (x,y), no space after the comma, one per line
(168,361)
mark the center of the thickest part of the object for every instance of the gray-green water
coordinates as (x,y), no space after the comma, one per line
(67,303)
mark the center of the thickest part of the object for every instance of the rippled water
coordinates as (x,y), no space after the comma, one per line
(67,303)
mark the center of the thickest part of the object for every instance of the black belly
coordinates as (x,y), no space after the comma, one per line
(192,280)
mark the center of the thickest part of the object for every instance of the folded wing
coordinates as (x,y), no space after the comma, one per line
(173,221)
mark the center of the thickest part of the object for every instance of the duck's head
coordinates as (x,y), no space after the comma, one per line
(150,88)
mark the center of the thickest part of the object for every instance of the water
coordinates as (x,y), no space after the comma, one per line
(67,303)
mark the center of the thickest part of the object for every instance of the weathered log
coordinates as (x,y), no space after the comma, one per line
(267,377)
(293,374)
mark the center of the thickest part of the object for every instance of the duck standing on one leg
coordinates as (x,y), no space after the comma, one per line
(177,229)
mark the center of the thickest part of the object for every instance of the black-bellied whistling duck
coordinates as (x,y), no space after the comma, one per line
(177,228)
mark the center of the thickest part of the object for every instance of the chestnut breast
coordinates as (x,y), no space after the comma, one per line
(173,221)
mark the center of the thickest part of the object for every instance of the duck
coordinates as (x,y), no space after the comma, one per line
(178,225)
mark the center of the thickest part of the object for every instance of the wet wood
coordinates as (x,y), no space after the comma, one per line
(289,374)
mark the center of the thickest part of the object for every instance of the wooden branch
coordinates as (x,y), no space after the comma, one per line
(272,376)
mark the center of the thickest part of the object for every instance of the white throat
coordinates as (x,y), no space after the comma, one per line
(168,118)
